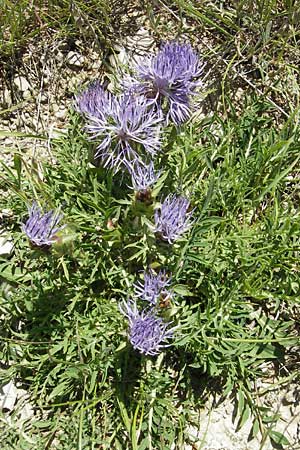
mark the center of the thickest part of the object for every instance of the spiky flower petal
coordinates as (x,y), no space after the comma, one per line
(94,100)
(154,287)
(168,80)
(42,228)
(148,333)
(143,175)
(172,219)
(123,125)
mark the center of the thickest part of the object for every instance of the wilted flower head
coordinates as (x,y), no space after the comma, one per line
(42,228)
(143,175)
(171,75)
(147,332)
(154,287)
(121,124)
(172,218)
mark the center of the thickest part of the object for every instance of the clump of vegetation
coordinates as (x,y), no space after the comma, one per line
(174,264)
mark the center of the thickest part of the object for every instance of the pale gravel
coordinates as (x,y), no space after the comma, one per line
(217,425)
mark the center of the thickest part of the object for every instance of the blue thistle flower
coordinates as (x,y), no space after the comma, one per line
(172,219)
(42,228)
(122,123)
(94,100)
(169,78)
(154,287)
(143,176)
(148,333)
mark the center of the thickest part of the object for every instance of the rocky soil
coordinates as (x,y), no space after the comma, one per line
(217,421)
(218,430)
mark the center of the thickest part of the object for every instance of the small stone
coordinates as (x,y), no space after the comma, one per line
(113,61)
(9,397)
(94,56)
(27,95)
(21,83)
(34,124)
(9,141)
(141,42)
(6,212)
(6,245)
(123,56)
(119,57)
(19,122)
(63,46)
(73,84)
(42,98)
(61,114)
(75,59)
(6,98)
(55,107)
(239,94)
(96,65)
(60,56)
(289,398)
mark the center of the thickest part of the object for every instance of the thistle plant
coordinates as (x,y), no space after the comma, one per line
(172,218)
(148,333)
(62,337)
(41,228)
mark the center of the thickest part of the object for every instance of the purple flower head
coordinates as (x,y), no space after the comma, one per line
(42,228)
(173,218)
(169,77)
(122,124)
(143,175)
(93,101)
(147,331)
(154,287)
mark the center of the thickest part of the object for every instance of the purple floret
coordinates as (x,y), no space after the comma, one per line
(94,100)
(154,287)
(148,333)
(169,78)
(143,176)
(172,219)
(121,124)
(41,228)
